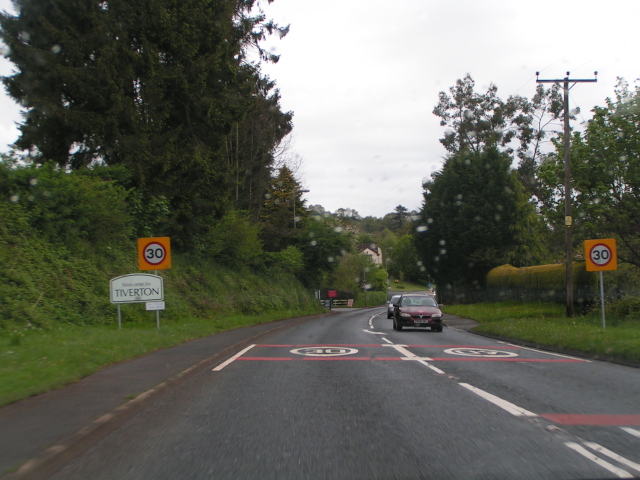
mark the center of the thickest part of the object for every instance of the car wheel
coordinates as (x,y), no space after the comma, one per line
(437,329)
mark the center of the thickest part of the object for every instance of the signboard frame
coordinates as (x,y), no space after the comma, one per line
(140,288)
(150,249)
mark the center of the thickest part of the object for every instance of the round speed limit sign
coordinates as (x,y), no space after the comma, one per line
(154,253)
(601,255)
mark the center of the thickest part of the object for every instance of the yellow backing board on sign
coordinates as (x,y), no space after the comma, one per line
(600,255)
(154,253)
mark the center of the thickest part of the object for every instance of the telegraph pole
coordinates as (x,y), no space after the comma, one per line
(568,220)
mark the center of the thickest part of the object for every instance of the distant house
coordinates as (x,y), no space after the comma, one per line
(374,251)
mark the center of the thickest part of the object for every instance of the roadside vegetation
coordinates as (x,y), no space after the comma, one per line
(546,324)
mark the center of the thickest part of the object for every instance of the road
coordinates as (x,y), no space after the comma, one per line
(347,397)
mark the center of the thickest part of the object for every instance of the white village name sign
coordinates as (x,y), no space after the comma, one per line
(136,287)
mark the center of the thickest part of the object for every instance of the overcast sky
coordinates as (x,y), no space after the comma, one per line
(363,76)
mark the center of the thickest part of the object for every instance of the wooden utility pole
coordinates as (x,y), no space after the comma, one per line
(568,220)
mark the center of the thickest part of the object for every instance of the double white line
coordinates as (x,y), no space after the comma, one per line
(603,463)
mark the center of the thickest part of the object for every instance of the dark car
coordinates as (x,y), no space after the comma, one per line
(417,311)
(390,303)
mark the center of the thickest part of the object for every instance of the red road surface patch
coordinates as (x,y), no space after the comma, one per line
(597,420)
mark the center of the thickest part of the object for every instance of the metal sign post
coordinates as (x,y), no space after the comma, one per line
(601,255)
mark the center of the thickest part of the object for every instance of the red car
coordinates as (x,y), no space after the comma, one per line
(417,311)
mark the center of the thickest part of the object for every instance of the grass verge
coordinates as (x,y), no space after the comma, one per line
(546,324)
(34,361)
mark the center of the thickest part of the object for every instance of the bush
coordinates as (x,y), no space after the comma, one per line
(625,309)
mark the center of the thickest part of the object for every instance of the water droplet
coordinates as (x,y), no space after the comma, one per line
(14,198)
(338,229)
(498,217)
(56,49)
(623,158)
(24,36)
(33,181)
(429,221)
(442,243)
(267,196)
(422,228)
(477,218)
(330,259)
(443,251)
(313,243)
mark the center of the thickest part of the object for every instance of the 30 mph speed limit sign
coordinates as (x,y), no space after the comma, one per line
(601,254)
(154,253)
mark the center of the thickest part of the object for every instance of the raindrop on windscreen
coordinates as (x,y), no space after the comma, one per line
(338,229)
(33,181)
(313,243)
(55,49)
(14,198)
(422,228)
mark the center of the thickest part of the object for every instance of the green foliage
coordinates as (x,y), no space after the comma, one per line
(477,122)
(160,87)
(546,324)
(290,260)
(322,246)
(405,263)
(234,240)
(277,212)
(605,170)
(475,217)
(625,309)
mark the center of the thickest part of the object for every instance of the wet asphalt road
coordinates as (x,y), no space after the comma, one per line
(347,397)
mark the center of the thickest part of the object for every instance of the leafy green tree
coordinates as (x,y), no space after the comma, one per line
(278,223)
(476,216)
(322,245)
(605,167)
(154,85)
(405,263)
(479,121)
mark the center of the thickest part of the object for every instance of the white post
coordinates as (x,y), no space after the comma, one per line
(602,300)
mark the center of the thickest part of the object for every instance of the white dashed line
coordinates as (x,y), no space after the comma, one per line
(612,455)
(631,431)
(509,407)
(606,465)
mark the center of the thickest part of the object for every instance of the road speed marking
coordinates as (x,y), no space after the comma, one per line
(480,352)
(324,351)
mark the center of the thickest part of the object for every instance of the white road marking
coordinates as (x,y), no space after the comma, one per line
(407,353)
(631,431)
(509,407)
(375,333)
(388,341)
(600,449)
(232,359)
(412,356)
(606,465)
(545,352)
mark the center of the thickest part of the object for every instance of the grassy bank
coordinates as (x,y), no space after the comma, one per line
(36,360)
(546,324)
